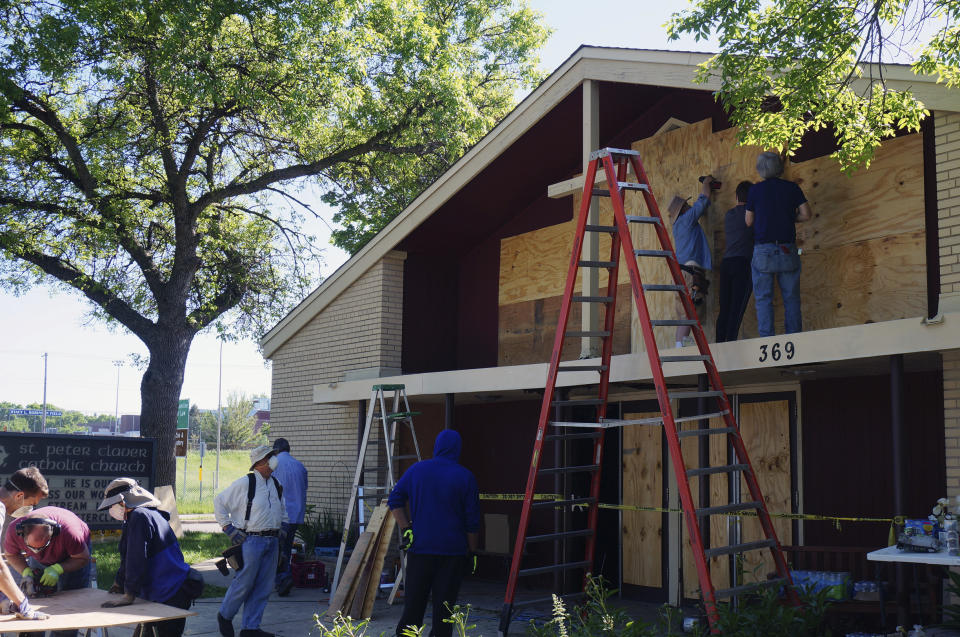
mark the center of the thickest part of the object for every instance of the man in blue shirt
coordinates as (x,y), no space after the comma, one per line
(693,250)
(440,534)
(773,207)
(293,478)
(736,281)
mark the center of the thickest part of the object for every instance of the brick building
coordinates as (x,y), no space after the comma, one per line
(457,298)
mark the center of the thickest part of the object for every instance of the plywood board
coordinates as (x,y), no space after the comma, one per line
(527,329)
(719,490)
(765,427)
(347,586)
(643,486)
(384,537)
(78,609)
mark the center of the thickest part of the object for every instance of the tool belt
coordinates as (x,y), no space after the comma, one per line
(700,285)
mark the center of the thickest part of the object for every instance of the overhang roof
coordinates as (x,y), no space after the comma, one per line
(671,69)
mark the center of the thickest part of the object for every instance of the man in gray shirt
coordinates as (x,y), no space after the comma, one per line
(736,281)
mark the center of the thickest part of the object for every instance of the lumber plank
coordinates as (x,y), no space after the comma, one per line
(353,601)
(348,580)
(376,566)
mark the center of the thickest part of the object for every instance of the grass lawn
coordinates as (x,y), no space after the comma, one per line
(233,464)
(196,547)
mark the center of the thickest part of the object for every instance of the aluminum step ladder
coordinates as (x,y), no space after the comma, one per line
(384,468)
(575,531)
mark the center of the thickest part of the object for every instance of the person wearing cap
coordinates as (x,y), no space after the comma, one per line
(259,533)
(151,563)
(441,532)
(692,247)
(20,493)
(51,546)
(293,477)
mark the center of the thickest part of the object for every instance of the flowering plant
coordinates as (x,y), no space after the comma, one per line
(940,511)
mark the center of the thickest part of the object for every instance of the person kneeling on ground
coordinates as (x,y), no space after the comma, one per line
(151,563)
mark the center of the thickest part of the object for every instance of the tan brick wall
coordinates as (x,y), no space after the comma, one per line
(947,127)
(951,419)
(360,329)
(947,131)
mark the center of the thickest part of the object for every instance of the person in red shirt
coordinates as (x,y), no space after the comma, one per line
(52,546)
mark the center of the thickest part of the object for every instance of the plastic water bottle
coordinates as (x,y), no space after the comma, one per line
(953,538)
(94,632)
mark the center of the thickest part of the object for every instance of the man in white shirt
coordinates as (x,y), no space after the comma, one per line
(257,526)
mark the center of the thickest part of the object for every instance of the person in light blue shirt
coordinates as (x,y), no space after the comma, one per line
(293,477)
(692,248)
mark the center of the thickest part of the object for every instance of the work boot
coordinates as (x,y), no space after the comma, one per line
(284,589)
(225,625)
(255,632)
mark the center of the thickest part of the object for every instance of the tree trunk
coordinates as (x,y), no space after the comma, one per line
(159,394)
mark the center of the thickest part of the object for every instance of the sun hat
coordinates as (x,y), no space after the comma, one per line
(129,492)
(677,205)
(259,453)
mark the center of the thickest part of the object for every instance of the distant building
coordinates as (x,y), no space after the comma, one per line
(261,413)
(129,423)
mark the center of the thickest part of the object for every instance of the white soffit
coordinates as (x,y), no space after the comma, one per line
(853,342)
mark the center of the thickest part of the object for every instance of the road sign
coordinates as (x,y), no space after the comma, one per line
(180,450)
(183,414)
(34,412)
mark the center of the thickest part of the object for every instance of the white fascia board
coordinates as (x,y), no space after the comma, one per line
(903,336)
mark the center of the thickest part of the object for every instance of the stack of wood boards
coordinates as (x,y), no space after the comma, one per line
(358,585)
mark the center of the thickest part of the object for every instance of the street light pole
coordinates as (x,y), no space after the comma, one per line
(116,413)
(43,426)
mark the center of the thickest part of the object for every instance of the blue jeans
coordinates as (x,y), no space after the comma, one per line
(780,262)
(283,570)
(68,582)
(251,586)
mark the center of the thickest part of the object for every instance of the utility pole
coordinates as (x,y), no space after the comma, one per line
(116,413)
(43,426)
(216,475)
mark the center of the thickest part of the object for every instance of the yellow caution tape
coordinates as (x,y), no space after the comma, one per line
(836,519)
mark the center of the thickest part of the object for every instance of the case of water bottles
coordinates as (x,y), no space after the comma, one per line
(868,591)
(839,585)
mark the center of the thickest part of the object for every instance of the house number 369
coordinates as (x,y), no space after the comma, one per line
(776,352)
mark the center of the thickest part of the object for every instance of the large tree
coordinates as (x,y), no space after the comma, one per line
(789,66)
(151,151)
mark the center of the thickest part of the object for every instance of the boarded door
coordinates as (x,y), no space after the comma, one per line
(642,487)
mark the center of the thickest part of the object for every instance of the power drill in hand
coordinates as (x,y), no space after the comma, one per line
(714,184)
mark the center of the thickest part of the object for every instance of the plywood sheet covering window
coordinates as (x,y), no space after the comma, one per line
(765,427)
(719,494)
(643,487)
(863,252)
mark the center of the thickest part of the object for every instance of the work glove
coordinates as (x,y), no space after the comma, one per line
(406,538)
(27,585)
(51,575)
(237,536)
(126,600)
(25,611)
(472,562)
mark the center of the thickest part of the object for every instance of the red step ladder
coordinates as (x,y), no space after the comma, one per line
(615,163)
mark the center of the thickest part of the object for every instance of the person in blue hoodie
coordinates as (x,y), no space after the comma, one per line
(151,563)
(440,534)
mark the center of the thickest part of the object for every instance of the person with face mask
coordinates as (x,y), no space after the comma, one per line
(151,563)
(256,523)
(51,546)
(18,495)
